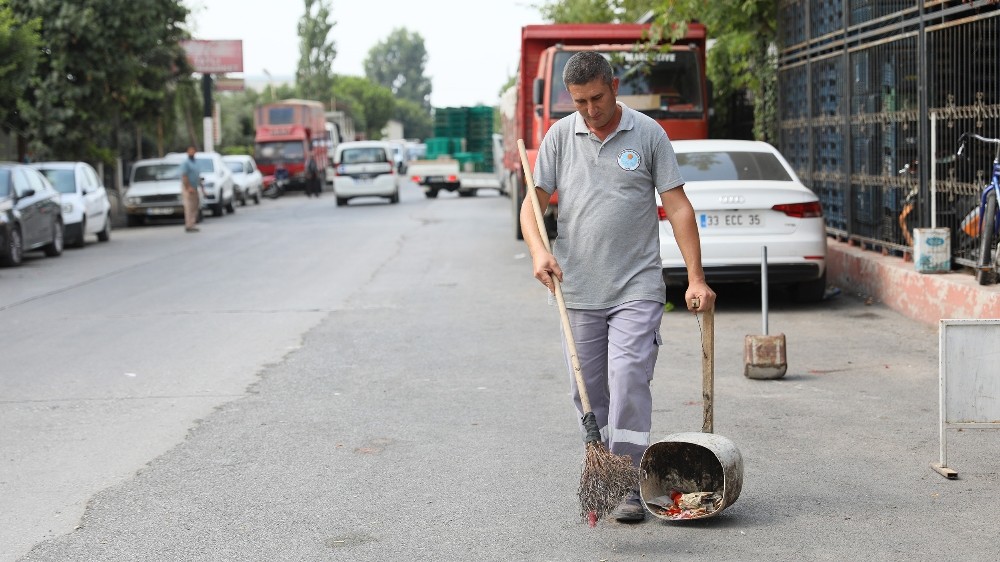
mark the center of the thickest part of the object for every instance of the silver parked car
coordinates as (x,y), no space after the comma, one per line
(154,191)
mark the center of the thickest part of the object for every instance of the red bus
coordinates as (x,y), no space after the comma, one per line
(288,134)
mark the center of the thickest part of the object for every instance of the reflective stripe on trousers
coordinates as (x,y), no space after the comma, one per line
(617,349)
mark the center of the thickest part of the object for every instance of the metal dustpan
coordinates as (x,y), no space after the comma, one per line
(693,475)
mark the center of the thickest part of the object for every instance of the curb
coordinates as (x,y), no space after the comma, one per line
(925,297)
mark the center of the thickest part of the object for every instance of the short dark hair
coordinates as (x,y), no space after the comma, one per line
(585,67)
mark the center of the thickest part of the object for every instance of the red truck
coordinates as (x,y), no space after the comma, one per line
(668,86)
(288,134)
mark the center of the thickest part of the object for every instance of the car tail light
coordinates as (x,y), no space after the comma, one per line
(661,212)
(808,210)
(452,179)
(415,179)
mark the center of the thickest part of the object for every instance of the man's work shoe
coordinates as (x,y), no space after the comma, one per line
(630,510)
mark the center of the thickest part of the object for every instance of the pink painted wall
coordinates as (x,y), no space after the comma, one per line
(927,297)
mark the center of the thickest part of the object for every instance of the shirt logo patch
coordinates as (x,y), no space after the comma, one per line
(628,159)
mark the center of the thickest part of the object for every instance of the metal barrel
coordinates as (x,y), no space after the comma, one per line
(690,462)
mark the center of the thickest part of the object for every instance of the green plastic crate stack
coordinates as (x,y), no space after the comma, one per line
(437,146)
(451,122)
(471,132)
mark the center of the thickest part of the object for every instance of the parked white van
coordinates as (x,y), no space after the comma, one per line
(365,169)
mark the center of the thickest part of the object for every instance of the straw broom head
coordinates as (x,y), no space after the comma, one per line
(606,478)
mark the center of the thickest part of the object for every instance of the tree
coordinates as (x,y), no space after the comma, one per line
(370,105)
(579,11)
(19,42)
(398,64)
(744,54)
(417,123)
(742,58)
(104,65)
(314,77)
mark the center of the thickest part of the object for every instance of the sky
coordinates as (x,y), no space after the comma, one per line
(472,46)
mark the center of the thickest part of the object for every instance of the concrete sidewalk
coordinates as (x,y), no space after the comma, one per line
(895,282)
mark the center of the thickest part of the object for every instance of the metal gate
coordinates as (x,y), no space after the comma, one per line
(858,82)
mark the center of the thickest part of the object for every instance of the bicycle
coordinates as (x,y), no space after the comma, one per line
(985,223)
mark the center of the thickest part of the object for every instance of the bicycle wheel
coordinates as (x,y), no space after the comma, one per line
(986,270)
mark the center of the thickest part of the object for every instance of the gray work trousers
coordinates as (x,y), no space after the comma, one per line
(617,349)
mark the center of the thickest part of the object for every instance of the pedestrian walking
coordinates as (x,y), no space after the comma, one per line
(608,163)
(190,184)
(312,178)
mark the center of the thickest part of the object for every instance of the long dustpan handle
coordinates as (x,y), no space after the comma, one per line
(567,332)
(708,369)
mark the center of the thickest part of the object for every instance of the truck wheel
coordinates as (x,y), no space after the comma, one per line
(466,192)
(341,201)
(432,193)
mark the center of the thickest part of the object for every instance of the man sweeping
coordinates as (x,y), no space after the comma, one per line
(608,161)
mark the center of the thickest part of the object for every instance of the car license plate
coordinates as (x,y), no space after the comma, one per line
(434,179)
(160,211)
(729,220)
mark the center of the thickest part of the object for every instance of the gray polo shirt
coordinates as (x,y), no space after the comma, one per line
(608,245)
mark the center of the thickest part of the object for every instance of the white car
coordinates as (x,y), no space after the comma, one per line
(247,179)
(86,208)
(746,196)
(154,191)
(365,169)
(216,181)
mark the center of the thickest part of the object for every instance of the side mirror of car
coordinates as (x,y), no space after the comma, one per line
(27,193)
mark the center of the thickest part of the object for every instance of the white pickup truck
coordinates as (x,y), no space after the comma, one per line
(446,174)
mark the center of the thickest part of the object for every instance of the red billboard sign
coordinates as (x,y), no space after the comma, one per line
(214,57)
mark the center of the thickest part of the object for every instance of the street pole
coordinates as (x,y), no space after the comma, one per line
(207,105)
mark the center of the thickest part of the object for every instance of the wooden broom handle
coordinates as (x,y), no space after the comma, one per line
(557,287)
(708,369)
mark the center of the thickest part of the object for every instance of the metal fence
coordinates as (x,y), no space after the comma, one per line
(861,86)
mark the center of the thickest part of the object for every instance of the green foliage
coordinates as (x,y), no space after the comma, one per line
(417,123)
(745,33)
(104,64)
(370,105)
(398,63)
(236,109)
(314,77)
(594,11)
(578,11)
(237,149)
(19,42)
(741,58)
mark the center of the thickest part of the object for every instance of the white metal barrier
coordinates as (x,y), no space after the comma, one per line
(969,356)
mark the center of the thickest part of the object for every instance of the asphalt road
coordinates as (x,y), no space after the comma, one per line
(385,382)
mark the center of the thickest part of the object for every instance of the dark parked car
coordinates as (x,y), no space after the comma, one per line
(30,214)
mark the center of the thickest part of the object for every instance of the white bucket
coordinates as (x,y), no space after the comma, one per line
(932,250)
